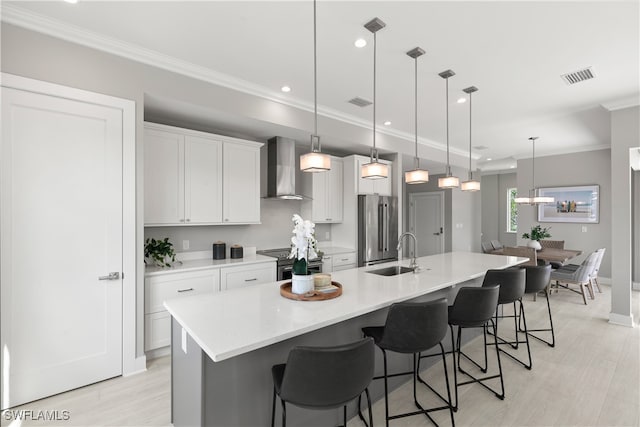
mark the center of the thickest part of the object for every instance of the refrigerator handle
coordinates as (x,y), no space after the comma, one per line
(380,228)
(386,227)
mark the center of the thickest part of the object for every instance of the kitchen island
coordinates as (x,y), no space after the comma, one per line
(223,345)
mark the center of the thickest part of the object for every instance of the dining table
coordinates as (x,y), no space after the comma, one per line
(560,256)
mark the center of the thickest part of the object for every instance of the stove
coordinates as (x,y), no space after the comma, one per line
(285,264)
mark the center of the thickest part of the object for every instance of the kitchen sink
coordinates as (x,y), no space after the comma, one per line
(391,271)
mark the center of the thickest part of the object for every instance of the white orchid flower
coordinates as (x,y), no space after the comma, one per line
(303,241)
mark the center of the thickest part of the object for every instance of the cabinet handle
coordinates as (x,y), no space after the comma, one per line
(185,290)
(226,219)
(327,219)
(188,219)
(181,219)
(344,259)
(251,280)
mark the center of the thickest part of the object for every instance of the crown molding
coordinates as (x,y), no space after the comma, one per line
(35,22)
(622,103)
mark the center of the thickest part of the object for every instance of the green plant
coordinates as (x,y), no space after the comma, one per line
(537,233)
(159,251)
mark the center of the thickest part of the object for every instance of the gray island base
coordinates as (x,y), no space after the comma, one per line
(222,353)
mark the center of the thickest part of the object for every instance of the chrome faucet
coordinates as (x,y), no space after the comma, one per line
(413,264)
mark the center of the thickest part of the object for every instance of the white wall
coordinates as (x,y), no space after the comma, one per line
(586,168)
(636,225)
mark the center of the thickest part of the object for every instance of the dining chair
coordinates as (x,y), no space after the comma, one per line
(564,277)
(412,328)
(553,244)
(324,377)
(522,251)
(496,245)
(487,247)
(596,270)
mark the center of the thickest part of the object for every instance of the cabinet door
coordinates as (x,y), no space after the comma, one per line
(241,184)
(320,211)
(203,180)
(327,263)
(163,177)
(167,286)
(239,277)
(335,190)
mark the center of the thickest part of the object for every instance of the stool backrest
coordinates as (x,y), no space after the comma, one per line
(537,277)
(412,327)
(328,377)
(512,283)
(474,306)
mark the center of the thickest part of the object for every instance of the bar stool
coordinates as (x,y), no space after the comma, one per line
(324,377)
(474,308)
(512,283)
(537,279)
(412,328)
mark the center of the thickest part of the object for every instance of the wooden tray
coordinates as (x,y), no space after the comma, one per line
(285,291)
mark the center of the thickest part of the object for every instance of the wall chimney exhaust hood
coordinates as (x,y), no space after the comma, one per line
(281,169)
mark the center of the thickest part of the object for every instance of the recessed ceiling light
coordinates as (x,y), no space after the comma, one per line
(489,159)
(462,100)
(360,43)
(512,167)
(71,1)
(387,123)
(285,89)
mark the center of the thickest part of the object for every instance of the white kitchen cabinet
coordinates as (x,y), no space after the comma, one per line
(326,190)
(338,262)
(247,275)
(197,178)
(241,178)
(183,178)
(380,186)
(157,327)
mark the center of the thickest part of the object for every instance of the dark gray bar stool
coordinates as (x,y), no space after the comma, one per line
(324,377)
(474,308)
(538,279)
(512,283)
(412,328)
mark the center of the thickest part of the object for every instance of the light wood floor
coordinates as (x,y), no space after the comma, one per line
(591,378)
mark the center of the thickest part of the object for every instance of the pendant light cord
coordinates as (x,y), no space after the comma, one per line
(533,165)
(417,161)
(374,99)
(470,174)
(315,75)
(447,101)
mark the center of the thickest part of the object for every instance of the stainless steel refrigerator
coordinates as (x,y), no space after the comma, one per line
(377,229)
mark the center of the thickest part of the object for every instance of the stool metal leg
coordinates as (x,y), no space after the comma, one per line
(273,408)
(553,336)
(521,318)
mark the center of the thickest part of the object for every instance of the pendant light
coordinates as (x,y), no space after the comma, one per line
(534,198)
(448,181)
(374,169)
(470,184)
(315,161)
(417,175)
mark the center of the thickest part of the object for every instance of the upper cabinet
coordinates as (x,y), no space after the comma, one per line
(380,186)
(195,178)
(326,190)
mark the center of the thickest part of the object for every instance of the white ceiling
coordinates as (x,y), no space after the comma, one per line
(514,52)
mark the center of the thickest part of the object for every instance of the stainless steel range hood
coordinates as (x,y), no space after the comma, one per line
(281,169)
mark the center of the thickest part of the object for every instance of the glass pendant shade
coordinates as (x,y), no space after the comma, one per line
(416,176)
(374,170)
(470,186)
(315,162)
(449,182)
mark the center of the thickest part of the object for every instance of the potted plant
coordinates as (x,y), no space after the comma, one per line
(160,252)
(303,248)
(535,235)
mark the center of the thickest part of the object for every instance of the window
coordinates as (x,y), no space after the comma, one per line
(512,210)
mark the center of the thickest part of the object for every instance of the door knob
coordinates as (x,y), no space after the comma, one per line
(114,275)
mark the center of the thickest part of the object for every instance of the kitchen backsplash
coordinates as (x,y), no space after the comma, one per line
(274,232)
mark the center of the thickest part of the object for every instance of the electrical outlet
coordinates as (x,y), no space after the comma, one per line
(327,235)
(584,228)
(185,245)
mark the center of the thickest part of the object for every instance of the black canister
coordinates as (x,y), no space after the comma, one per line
(219,250)
(236,251)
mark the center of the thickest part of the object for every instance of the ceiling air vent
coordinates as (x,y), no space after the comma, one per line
(360,102)
(480,147)
(578,76)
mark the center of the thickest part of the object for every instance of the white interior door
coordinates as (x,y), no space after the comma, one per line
(426,221)
(61,229)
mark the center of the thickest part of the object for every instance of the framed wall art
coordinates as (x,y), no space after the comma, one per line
(572,204)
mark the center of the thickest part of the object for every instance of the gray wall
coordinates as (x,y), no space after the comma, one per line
(586,168)
(635,191)
(494,208)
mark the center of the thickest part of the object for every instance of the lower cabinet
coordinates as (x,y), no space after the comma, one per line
(241,276)
(338,262)
(158,288)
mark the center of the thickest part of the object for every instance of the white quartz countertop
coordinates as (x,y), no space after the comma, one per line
(227,324)
(333,250)
(203,264)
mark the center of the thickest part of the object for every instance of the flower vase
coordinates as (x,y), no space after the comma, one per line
(301,284)
(534,244)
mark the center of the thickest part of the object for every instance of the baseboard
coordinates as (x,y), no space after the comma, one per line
(622,320)
(604,280)
(635,286)
(158,352)
(140,365)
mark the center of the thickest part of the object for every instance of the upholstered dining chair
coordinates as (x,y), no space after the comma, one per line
(522,251)
(564,277)
(487,247)
(555,244)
